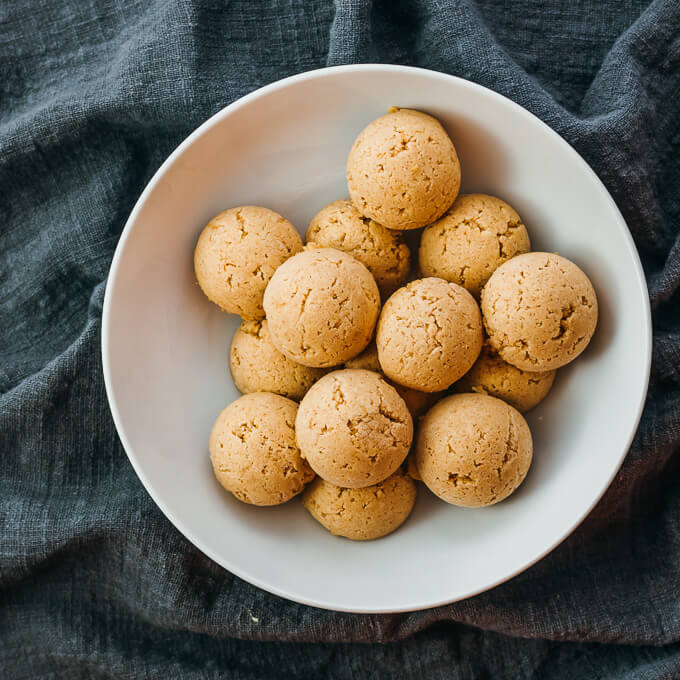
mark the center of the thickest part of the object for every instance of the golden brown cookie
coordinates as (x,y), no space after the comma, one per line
(540,311)
(383,252)
(412,468)
(238,252)
(257,366)
(361,514)
(403,170)
(429,334)
(353,428)
(416,402)
(367,360)
(491,375)
(473,450)
(475,236)
(253,450)
(321,305)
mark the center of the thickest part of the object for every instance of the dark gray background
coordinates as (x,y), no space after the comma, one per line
(94,581)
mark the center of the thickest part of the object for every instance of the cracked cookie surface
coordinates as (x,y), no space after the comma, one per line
(491,375)
(353,428)
(253,450)
(321,305)
(361,514)
(383,252)
(257,366)
(476,235)
(540,311)
(403,170)
(429,334)
(473,450)
(237,254)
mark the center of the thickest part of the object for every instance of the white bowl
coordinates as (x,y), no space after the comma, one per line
(165,346)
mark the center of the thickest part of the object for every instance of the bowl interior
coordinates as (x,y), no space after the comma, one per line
(165,346)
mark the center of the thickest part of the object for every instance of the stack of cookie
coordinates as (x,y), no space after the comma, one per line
(350,356)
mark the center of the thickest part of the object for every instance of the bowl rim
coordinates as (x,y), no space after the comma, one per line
(109,294)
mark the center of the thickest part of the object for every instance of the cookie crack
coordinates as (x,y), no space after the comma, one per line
(456,479)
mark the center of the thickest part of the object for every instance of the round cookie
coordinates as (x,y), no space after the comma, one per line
(491,375)
(540,311)
(383,252)
(361,514)
(257,366)
(237,253)
(473,450)
(368,360)
(353,428)
(475,236)
(412,468)
(429,334)
(416,402)
(322,305)
(253,450)
(403,170)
